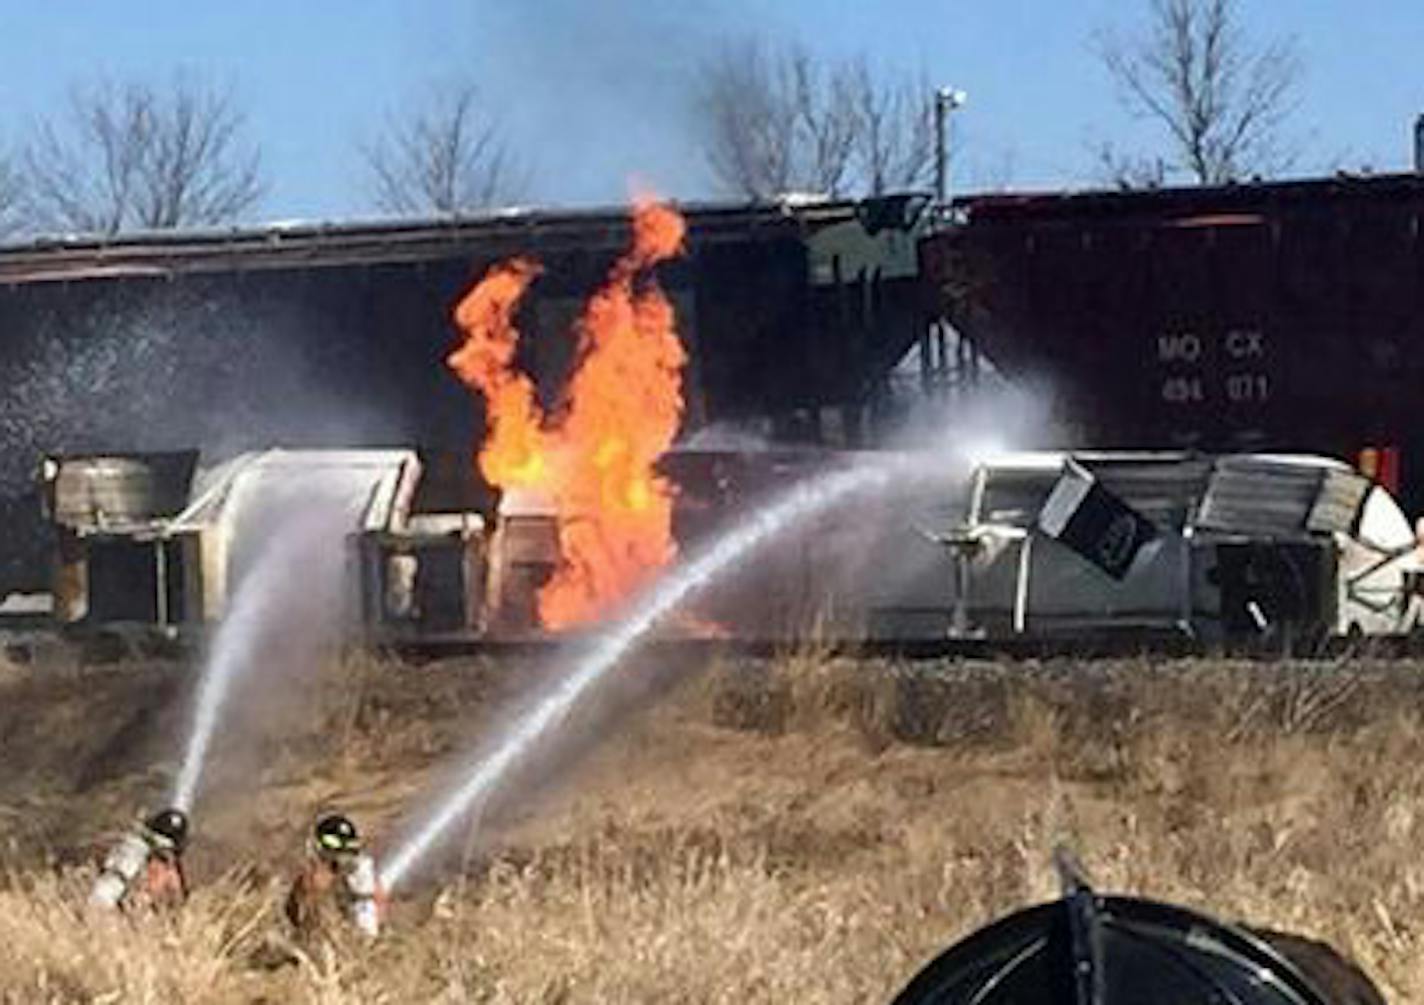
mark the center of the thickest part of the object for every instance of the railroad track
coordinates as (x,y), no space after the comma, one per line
(36,644)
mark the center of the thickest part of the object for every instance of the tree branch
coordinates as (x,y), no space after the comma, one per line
(133,156)
(445,157)
(1222,101)
(782,120)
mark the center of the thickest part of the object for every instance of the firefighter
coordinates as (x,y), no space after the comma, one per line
(338,882)
(146,864)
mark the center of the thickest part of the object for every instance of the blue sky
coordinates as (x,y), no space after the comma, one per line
(596,91)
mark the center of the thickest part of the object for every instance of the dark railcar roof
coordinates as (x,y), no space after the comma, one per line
(1221,200)
(305,245)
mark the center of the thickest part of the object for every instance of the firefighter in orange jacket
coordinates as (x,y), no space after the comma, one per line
(338,880)
(145,865)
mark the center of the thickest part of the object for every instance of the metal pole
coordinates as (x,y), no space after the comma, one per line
(1021,587)
(941,156)
(947,99)
(160,583)
(963,583)
(1419,145)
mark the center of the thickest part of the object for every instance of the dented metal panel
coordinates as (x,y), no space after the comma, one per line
(1338,505)
(101,491)
(1271,497)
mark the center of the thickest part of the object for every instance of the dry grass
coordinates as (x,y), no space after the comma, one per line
(808,828)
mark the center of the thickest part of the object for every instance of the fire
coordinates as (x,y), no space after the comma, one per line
(514,451)
(595,455)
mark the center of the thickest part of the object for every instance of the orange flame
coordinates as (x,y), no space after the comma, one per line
(513,453)
(618,414)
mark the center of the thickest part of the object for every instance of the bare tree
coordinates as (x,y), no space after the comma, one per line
(135,156)
(777,121)
(445,157)
(894,122)
(1222,99)
(13,213)
(1128,171)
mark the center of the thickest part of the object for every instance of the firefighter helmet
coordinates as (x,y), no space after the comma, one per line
(1087,948)
(336,834)
(169,828)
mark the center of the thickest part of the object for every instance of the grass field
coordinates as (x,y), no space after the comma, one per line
(806,828)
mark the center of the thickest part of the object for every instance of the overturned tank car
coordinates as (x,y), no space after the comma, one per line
(160,540)
(1030,547)
(1213,548)
(434,555)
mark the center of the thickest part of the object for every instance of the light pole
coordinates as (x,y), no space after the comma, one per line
(947,99)
(936,340)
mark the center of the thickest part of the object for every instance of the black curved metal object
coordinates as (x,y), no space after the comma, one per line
(1087,949)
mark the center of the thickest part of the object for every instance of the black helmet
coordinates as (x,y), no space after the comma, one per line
(170,827)
(1091,949)
(336,834)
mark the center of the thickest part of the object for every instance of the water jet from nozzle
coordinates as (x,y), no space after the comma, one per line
(799,503)
(288,592)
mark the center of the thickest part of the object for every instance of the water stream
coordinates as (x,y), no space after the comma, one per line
(287,555)
(233,648)
(798,503)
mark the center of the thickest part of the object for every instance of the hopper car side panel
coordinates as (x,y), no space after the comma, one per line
(1285,317)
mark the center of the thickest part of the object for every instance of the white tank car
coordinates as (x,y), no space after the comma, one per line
(1212,547)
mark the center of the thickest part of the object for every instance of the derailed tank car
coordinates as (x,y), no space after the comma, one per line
(433,554)
(1032,546)
(1214,548)
(161,541)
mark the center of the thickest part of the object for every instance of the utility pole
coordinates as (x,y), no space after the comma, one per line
(947,99)
(934,343)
